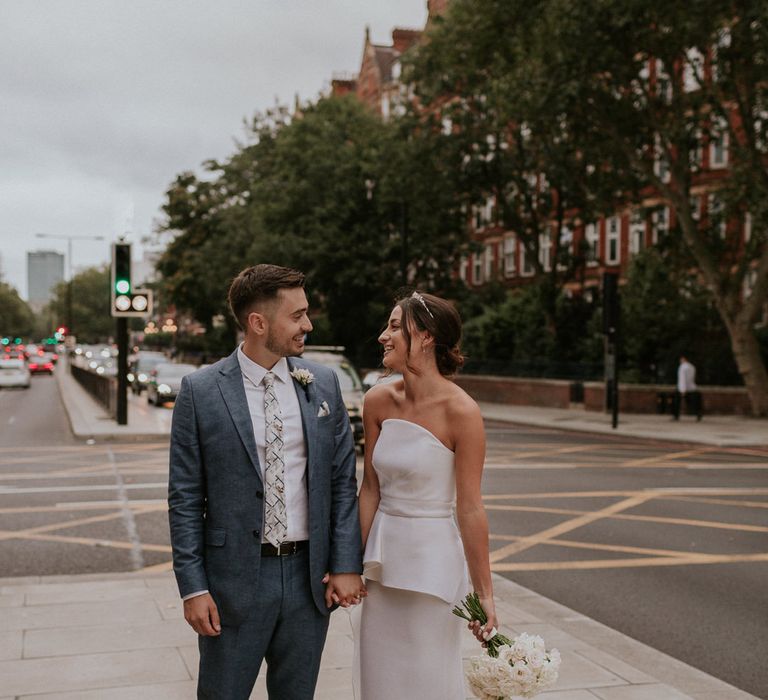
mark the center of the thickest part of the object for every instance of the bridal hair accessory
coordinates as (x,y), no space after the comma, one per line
(421,300)
(512,667)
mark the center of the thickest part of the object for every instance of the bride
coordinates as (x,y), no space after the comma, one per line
(424,453)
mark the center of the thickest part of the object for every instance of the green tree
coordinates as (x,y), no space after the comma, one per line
(91,319)
(357,204)
(481,77)
(16,318)
(660,83)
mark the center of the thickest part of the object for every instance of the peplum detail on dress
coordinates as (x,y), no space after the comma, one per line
(414,543)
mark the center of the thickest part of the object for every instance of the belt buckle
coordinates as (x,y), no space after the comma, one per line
(284,548)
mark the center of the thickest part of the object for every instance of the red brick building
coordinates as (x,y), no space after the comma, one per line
(610,242)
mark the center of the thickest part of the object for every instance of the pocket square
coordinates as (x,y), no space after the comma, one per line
(324,410)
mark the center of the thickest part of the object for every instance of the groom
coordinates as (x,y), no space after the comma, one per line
(262,499)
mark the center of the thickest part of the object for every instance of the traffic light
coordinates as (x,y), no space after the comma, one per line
(126,301)
(136,303)
(121,269)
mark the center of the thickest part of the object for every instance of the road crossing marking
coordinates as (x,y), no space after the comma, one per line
(629,563)
(583,519)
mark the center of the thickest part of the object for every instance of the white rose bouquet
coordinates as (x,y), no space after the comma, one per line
(521,666)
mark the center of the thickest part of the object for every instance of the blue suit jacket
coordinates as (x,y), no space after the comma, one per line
(215,492)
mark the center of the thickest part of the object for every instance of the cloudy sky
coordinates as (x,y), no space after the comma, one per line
(103,102)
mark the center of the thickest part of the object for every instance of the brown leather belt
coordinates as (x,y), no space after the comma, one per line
(283,549)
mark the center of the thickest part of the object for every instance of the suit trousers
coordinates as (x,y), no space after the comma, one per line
(286,630)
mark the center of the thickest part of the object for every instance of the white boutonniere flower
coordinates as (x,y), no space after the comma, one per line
(303,376)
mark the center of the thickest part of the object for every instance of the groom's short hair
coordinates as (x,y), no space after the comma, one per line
(258,284)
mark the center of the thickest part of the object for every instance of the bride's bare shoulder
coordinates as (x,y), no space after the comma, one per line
(382,396)
(462,406)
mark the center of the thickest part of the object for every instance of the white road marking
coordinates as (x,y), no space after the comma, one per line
(11,491)
(137,556)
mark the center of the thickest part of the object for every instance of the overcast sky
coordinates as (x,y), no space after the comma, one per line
(103,102)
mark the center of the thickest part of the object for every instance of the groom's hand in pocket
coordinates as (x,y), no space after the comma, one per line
(203,615)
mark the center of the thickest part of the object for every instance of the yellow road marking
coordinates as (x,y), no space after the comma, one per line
(95,542)
(98,505)
(156,568)
(567,526)
(643,518)
(600,547)
(629,563)
(51,527)
(719,501)
(666,457)
(556,451)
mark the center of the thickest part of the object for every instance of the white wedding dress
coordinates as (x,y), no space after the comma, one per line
(408,642)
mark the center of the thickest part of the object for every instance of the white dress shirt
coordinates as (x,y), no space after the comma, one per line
(686,378)
(294,448)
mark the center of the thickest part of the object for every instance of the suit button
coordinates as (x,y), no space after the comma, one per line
(256,533)
(259,494)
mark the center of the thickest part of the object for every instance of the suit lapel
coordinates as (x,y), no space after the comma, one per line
(233,391)
(307,402)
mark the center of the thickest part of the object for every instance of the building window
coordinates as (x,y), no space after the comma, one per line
(663,83)
(463,268)
(659,224)
(526,268)
(565,247)
(693,70)
(489,262)
(592,238)
(484,214)
(636,232)
(695,203)
(747,227)
(477,268)
(716,214)
(510,245)
(545,249)
(613,240)
(660,162)
(718,145)
(696,153)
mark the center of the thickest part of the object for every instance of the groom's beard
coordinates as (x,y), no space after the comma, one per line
(284,349)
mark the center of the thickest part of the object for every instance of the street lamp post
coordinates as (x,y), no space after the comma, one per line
(69,239)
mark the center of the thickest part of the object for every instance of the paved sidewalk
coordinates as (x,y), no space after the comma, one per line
(122,637)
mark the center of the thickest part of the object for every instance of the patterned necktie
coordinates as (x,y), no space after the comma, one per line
(275,517)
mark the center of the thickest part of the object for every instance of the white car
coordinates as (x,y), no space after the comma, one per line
(14,373)
(379,376)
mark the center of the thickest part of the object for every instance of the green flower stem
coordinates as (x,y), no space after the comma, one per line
(472,612)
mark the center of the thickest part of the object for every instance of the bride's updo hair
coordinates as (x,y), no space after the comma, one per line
(438,317)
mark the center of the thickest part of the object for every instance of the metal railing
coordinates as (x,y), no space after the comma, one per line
(101,388)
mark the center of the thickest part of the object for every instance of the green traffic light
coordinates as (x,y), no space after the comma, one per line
(122,286)
(5,341)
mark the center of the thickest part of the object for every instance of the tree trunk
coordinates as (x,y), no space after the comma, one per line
(746,352)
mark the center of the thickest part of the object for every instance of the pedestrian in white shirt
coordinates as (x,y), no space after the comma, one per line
(687,390)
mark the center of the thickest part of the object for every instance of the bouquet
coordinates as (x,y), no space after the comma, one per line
(519,666)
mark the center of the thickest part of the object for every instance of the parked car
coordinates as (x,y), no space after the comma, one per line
(14,373)
(379,376)
(140,367)
(349,380)
(165,382)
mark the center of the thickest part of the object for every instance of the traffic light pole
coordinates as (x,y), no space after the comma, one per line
(611,312)
(122,371)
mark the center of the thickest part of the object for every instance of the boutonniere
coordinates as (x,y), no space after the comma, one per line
(303,377)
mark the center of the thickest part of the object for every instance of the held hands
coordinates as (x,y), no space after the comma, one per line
(344,589)
(203,615)
(484,632)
